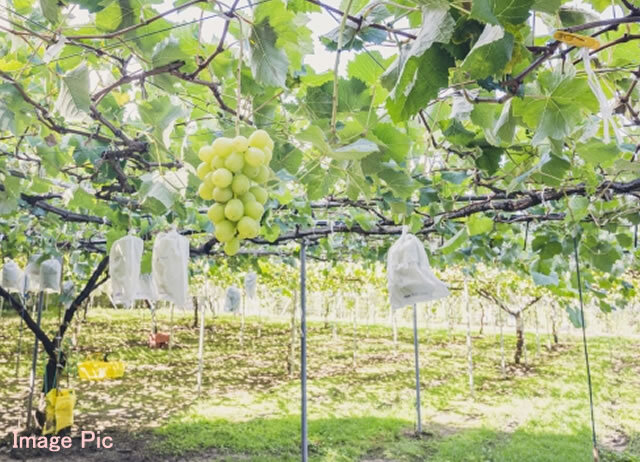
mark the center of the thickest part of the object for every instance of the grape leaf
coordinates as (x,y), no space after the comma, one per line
(269,64)
(50,10)
(368,67)
(501,11)
(420,81)
(77,82)
(354,151)
(109,18)
(402,185)
(162,114)
(490,54)
(454,242)
(543,279)
(395,143)
(479,224)
(546,6)
(596,152)
(556,105)
(437,26)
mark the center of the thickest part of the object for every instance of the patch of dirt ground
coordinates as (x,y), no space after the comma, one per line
(126,447)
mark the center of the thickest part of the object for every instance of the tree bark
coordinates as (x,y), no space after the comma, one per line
(242,317)
(554,327)
(49,346)
(449,313)
(469,342)
(525,349)
(292,345)
(535,314)
(327,311)
(154,322)
(518,316)
(503,366)
(394,326)
(195,312)
(519,337)
(549,347)
(355,332)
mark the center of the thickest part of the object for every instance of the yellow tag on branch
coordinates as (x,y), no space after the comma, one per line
(576,40)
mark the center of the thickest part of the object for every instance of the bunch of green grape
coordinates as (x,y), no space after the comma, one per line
(232,172)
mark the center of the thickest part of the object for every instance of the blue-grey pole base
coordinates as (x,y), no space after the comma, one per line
(417,361)
(303,351)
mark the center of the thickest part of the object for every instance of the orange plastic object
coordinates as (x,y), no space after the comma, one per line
(576,40)
(158,340)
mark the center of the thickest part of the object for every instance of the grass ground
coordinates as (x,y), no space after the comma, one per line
(250,404)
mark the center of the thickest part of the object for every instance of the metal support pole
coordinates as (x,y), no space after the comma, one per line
(596,455)
(242,314)
(469,343)
(34,360)
(171,329)
(303,349)
(200,349)
(417,361)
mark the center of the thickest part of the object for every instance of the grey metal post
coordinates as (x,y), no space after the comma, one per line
(200,349)
(34,360)
(23,299)
(171,329)
(417,361)
(303,348)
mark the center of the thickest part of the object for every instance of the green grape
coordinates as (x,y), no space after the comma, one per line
(203,170)
(254,157)
(234,210)
(216,213)
(260,139)
(247,197)
(251,171)
(259,193)
(225,231)
(217,162)
(205,191)
(263,175)
(222,146)
(240,143)
(231,247)
(248,228)
(254,210)
(268,155)
(234,162)
(240,184)
(222,194)
(222,177)
(206,153)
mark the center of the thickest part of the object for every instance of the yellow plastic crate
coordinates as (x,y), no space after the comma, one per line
(100,370)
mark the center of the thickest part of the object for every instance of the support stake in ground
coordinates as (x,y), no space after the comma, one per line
(417,365)
(303,349)
(34,360)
